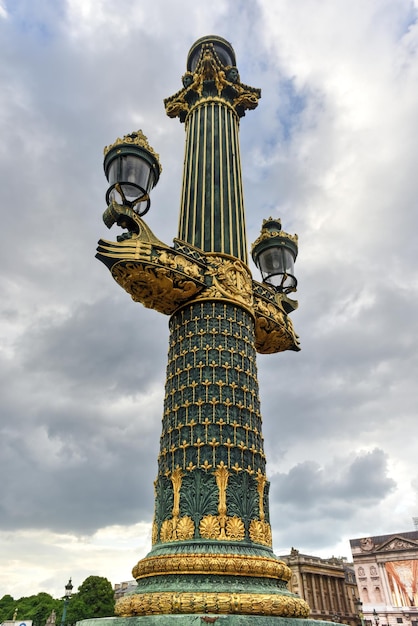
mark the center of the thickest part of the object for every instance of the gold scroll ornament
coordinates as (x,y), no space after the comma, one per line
(158,603)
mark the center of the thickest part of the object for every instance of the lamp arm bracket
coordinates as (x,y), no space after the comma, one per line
(126,217)
(158,276)
(166,278)
(273,328)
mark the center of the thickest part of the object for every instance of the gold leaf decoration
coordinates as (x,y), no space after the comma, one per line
(256,531)
(238,564)
(154,533)
(235,529)
(210,527)
(158,288)
(166,532)
(267,534)
(185,528)
(260,532)
(265,604)
(231,280)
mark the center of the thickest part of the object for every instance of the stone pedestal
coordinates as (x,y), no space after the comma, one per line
(202,620)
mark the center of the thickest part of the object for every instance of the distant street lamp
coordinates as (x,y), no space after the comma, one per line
(359,606)
(376,617)
(67,598)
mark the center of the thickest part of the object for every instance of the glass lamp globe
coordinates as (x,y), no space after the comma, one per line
(132,169)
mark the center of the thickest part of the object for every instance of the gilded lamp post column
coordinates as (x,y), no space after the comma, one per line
(212,455)
(212,544)
(211,103)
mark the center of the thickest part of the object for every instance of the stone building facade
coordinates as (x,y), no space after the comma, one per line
(386,569)
(327,585)
(121,589)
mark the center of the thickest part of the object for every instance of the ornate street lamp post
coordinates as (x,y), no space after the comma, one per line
(67,598)
(359,606)
(212,543)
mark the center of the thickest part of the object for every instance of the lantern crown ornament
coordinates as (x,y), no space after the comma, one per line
(274,253)
(210,46)
(211,76)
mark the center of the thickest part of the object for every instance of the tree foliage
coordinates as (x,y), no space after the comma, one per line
(7,607)
(95,598)
(96,594)
(37,608)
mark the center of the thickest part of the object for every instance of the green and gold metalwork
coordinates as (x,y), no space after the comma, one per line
(212,540)
(211,103)
(172,602)
(270,233)
(154,274)
(223,564)
(136,138)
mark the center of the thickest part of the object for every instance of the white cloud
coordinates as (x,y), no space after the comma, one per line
(49,559)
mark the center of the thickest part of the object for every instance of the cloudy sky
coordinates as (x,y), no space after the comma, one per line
(332,149)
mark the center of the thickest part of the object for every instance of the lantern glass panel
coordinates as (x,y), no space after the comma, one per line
(277,267)
(127,169)
(223,55)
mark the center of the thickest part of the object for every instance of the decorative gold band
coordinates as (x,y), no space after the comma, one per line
(219,564)
(159,603)
(206,101)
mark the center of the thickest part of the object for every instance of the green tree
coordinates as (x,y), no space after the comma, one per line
(97,594)
(7,607)
(42,608)
(37,608)
(95,598)
(76,611)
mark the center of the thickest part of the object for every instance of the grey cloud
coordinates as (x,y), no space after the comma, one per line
(72,473)
(63,442)
(316,505)
(99,346)
(363,478)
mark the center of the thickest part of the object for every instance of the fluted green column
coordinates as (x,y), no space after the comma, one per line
(212,207)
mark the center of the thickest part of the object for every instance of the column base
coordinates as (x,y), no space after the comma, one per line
(211,578)
(202,620)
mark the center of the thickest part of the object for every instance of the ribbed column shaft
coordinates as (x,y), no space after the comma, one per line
(212,209)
